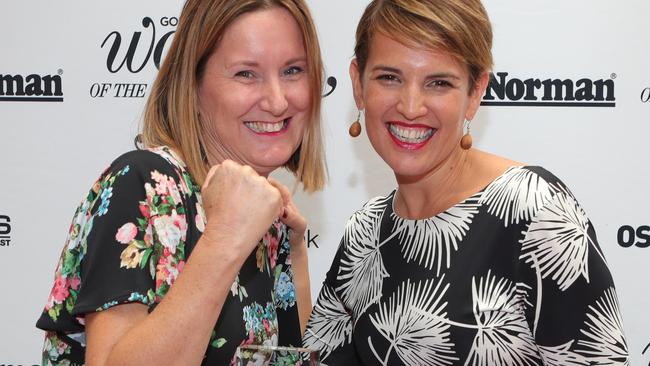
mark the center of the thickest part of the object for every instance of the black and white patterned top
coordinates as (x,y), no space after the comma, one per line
(510,276)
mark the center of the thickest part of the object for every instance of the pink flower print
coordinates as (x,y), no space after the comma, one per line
(151,193)
(148,236)
(126,233)
(199,219)
(50,303)
(172,273)
(166,186)
(251,338)
(173,191)
(168,270)
(74,282)
(181,223)
(96,187)
(144,210)
(265,323)
(60,291)
(161,271)
(273,244)
(158,178)
(61,347)
(168,233)
(161,188)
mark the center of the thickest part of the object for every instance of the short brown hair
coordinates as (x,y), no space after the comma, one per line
(460,27)
(171,115)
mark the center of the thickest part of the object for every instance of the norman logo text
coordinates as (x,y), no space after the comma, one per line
(31,88)
(504,90)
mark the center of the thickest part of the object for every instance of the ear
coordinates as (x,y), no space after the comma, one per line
(476,95)
(357,85)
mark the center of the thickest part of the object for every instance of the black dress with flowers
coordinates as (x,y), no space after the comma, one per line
(513,275)
(128,242)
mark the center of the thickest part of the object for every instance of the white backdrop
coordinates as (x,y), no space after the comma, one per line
(51,152)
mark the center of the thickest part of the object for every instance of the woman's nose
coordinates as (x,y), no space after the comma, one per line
(274,99)
(411,103)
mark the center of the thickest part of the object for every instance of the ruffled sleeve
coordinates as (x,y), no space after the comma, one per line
(126,241)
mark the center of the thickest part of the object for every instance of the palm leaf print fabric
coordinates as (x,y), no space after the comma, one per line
(513,275)
(128,242)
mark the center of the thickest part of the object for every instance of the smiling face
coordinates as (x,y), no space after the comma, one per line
(415,102)
(254,92)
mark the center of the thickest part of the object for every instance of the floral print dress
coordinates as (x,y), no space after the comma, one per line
(510,276)
(128,242)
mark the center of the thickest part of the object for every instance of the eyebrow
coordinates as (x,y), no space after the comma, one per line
(444,75)
(248,63)
(387,69)
(243,63)
(296,60)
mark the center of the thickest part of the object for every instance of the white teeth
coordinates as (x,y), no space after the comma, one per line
(265,127)
(410,135)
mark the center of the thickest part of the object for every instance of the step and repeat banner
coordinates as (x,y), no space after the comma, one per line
(571,92)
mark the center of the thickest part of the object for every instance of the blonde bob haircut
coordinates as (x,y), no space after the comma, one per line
(171,116)
(459,27)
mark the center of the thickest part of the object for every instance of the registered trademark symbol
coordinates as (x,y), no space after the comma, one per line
(59,71)
(613,75)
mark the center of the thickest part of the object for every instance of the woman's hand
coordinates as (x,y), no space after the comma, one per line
(291,216)
(240,206)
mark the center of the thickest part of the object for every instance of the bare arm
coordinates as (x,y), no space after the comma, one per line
(178,330)
(240,206)
(299,264)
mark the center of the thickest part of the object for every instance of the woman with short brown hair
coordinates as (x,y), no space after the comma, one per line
(474,259)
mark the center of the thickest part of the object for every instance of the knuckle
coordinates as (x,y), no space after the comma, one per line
(229,165)
(248,170)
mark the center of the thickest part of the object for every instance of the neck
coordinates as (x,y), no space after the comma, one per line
(425,196)
(216,154)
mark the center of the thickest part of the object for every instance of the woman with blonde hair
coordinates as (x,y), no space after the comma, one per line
(185,250)
(474,259)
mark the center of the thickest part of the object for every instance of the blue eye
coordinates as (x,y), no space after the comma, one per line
(246,74)
(294,70)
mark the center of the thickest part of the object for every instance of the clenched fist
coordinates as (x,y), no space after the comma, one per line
(240,206)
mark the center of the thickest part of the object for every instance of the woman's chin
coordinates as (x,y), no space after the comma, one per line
(409,170)
(267,163)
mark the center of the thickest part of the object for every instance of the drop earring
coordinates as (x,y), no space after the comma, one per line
(466,140)
(355,127)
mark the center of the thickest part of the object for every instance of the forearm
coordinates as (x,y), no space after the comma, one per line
(300,267)
(177,332)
